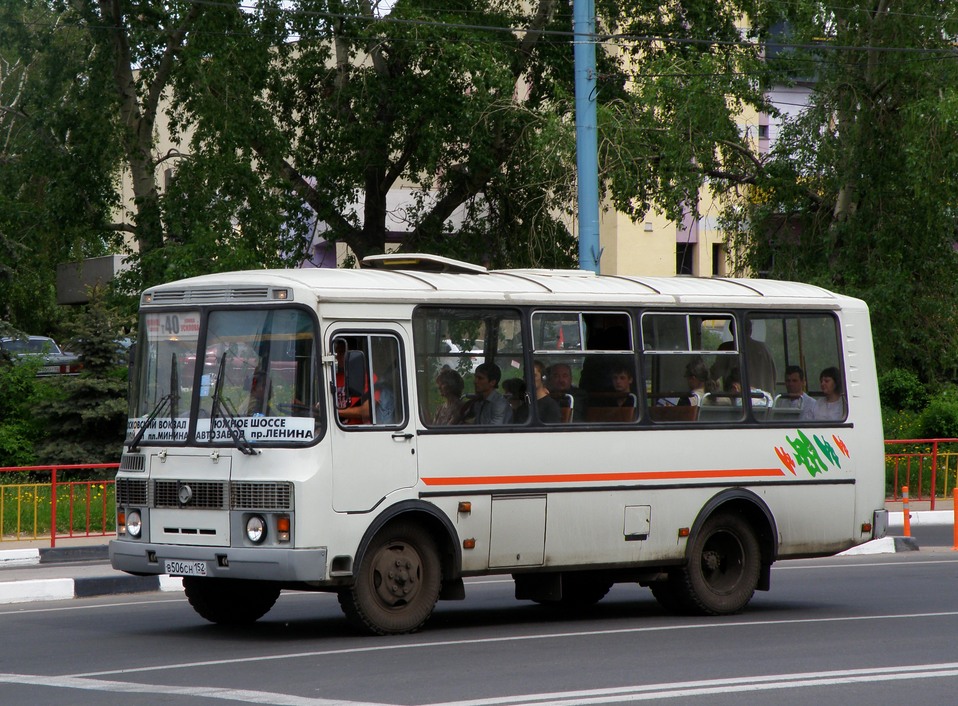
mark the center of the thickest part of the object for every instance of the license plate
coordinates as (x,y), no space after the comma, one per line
(184,568)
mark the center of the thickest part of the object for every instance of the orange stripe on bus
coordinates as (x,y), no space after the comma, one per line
(599,477)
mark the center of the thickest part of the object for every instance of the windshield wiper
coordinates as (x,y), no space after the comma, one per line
(229,415)
(161,403)
(171,398)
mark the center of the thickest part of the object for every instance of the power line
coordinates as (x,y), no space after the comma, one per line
(613,39)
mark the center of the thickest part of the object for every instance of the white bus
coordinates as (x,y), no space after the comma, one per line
(384,432)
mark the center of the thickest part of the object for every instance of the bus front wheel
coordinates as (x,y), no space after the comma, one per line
(724,564)
(397,584)
(230,601)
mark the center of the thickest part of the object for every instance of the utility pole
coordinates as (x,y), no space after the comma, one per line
(587,146)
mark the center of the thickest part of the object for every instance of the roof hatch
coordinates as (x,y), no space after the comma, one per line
(421,262)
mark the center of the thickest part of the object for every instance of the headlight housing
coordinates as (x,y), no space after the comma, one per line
(256,529)
(134,524)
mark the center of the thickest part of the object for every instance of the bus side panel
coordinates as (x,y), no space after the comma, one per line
(588,508)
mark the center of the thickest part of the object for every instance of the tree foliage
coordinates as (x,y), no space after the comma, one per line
(86,417)
(449,126)
(858,194)
(57,158)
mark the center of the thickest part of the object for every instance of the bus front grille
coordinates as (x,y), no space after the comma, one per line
(261,496)
(133,462)
(131,491)
(198,495)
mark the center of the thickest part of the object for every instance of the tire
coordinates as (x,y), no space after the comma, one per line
(723,568)
(230,601)
(580,591)
(669,597)
(397,584)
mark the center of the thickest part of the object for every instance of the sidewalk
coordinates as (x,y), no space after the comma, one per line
(31,570)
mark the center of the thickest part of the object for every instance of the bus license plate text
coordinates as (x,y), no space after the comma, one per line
(185,568)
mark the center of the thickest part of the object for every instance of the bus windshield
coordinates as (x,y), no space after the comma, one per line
(252,377)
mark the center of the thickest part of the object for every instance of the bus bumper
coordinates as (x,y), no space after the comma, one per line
(263,563)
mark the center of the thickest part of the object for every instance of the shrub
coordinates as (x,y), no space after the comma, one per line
(20,428)
(940,418)
(902,390)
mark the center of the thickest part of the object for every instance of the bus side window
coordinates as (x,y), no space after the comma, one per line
(590,367)
(459,353)
(802,347)
(689,360)
(368,382)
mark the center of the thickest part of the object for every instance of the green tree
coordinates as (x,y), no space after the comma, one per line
(298,117)
(468,107)
(86,420)
(858,194)
(57,158)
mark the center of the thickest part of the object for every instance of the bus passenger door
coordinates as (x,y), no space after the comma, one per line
(373,440)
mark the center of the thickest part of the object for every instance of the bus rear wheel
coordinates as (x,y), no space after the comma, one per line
(230,601)
(723,568)
(397,584)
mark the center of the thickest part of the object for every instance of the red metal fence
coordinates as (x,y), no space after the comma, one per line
(927,466)
(36,502)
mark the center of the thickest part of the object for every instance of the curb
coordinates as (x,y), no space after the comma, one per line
(87,587)
(57,589)
(885,545)
(53,555)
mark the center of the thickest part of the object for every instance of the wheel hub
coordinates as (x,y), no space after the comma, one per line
(396,575)
(711,560)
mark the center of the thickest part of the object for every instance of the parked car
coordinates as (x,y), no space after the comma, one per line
(55,360)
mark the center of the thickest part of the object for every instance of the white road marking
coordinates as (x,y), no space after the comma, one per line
(585,697)
(208,692)
(713,687)
(442,644)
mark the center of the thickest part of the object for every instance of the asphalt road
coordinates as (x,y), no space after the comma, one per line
(853,630)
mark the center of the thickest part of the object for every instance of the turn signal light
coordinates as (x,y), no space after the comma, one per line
(866,528)
(282,528)
(683,531)
(121,522)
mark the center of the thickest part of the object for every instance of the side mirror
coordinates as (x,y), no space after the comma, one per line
(356,373)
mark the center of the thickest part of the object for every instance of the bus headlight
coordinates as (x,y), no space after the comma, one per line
(134,524)
(256,529)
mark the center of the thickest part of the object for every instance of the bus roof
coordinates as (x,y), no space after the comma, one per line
(454,282)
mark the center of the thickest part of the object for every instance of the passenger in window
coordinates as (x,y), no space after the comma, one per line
(490,407)
(546,407)
(795,396)
(761,365)
(700,383)
(514,390)
(831,407)
(451,387)
(733,387)
(563,391)
(622,385)
(385,402)
(259,402)
(560,379)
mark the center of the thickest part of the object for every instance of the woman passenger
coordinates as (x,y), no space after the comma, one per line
(831,406)
(450,386)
